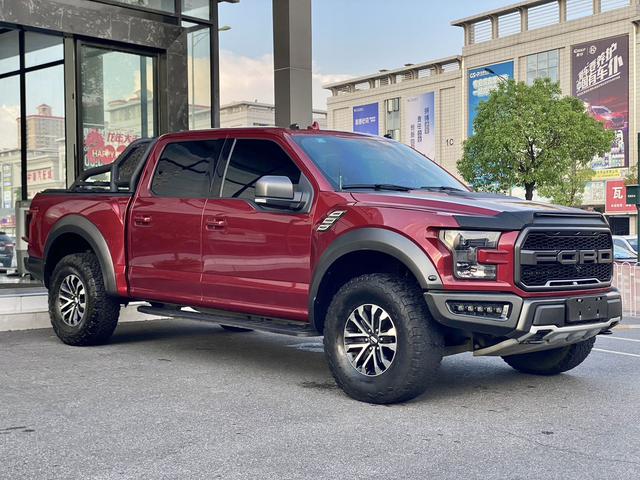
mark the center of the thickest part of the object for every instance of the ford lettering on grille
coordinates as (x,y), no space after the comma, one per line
(565,259)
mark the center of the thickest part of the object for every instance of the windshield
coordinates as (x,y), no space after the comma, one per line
(362,161)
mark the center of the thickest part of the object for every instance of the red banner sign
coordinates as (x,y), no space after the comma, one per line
(617,198)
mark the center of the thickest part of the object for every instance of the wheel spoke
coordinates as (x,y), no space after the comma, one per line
(72,300)
(370,340)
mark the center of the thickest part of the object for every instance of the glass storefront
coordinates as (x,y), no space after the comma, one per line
(31,104)
(118,102)
(71,100)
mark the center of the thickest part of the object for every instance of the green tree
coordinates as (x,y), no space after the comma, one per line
(531,136)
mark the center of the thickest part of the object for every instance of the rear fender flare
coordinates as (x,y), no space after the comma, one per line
(91,234)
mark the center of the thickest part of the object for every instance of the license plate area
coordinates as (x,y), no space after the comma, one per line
(587,309)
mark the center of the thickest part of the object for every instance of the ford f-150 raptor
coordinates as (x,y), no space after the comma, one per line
(305,232)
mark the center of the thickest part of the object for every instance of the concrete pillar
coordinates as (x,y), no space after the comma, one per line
(495,27)
(524,19)
(597,6)
(292,62)
(562,4)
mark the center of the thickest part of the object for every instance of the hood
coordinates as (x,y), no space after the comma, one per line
(477,210)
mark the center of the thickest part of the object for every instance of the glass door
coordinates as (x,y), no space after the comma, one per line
(118,104)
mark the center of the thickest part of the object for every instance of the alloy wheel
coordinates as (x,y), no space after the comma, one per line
(370,340)
(72,300)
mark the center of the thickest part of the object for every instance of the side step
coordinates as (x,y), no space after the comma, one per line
(284,327)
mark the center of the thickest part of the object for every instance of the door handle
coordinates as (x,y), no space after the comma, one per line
(217,223)
(142,220)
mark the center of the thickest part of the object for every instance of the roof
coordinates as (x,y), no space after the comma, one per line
(499,11)
(269,130)
(413,66)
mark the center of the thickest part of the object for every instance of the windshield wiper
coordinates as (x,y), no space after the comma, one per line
(443,189)
(377,186)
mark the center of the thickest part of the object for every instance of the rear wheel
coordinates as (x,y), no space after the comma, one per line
(552,362)
(81,312)
(381,343)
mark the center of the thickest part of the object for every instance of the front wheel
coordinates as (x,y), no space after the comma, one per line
(81,312)
(552,362)
(381,343)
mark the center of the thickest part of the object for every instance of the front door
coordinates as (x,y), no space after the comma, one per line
(165,224)
(255,259)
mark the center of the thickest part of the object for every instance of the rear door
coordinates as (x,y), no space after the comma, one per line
(256,259)
(165,223)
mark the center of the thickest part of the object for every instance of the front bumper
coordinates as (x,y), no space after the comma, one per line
(526,319)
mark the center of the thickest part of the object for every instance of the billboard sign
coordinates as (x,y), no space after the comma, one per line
(482,82)
(420,118)
(617,198)
(365,119)
(600,78)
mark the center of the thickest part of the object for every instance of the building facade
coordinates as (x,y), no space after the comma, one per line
(256,114)
(588,46)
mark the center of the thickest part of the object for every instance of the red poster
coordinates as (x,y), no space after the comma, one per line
(617,198)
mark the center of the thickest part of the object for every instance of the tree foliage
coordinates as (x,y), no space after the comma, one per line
(531,136)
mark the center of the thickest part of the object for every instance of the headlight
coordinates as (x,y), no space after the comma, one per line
(464,246)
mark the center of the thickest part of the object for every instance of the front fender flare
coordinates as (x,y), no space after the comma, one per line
(91,234)
(377,240)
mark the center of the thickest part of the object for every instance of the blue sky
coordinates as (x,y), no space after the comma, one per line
(350,37)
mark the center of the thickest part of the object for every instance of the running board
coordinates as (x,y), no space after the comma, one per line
(283,327)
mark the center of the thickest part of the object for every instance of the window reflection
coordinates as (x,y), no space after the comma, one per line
(117,102)
(10,154)
(199,75)
(45,130)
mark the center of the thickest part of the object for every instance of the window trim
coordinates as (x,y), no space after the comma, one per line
(211,168)
(304,180)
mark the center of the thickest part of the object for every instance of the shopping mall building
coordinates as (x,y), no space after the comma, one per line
(589,46)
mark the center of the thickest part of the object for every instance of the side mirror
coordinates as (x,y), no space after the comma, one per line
(277,192)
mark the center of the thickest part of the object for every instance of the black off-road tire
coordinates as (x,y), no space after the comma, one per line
(230,328)
(420,342)
(100,316)
(552,362)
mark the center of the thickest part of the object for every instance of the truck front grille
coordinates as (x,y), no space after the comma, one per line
(565,259)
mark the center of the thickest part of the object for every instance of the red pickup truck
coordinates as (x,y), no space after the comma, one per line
(304,232)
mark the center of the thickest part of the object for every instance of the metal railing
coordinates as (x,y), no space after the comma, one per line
(626,278)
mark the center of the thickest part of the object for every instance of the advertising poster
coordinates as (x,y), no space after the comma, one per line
(600,78)
(617,198)
(365,119)
(482,81)
(102,147)
(420,119)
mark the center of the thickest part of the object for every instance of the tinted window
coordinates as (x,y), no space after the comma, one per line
(251,160)
(184,169)
(370,160)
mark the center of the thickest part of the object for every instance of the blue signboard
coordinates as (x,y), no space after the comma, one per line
(365,119)
(482,81)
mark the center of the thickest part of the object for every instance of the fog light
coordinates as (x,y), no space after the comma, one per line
(498,311)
